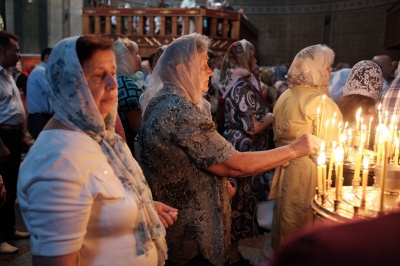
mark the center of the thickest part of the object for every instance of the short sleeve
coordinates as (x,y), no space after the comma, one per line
(196,134)
(128,94)
(56,204)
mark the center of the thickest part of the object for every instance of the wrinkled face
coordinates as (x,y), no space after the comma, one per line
(205,72)
(100,73)
(11,53)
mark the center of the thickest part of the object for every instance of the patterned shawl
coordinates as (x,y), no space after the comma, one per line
(237,64)
(75,108)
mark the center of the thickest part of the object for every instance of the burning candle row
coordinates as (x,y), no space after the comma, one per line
(324,178)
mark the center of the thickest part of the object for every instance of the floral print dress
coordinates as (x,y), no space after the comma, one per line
(176,143)
(241,105)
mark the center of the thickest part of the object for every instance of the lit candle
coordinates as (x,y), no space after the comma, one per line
(396,151)
(369,131)
(322,113)
(319,174)
(358,119)
(349,140)
(383,173)
(338,170)
(357,167)
(330,169)
(377,134)
(340,130)
(364,180)
(386,118)
(332,129)
(379,153)
(379,114)
(326,130)
(318,112)
(362,126)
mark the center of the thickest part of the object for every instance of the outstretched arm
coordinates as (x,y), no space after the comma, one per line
(243,164)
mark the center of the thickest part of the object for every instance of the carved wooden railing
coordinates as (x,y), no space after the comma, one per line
(151,28)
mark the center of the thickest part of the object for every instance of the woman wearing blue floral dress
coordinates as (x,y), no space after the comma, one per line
(246,120)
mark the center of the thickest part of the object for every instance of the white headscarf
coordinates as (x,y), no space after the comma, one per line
(75,108)
(309,67)
(179,65)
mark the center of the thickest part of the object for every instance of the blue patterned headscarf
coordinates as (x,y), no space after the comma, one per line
(75,108)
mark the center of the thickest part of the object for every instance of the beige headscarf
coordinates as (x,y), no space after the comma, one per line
(309,67)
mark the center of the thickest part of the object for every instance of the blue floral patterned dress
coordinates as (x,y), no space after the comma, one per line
(241,105)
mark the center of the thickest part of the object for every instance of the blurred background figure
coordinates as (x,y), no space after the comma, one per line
(337,82)
(188,4)
(385,63)
(130,87)
(22,78)
(38,96)
(269,92)
(17,69)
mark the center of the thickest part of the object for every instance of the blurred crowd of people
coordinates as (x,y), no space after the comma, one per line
(121,146)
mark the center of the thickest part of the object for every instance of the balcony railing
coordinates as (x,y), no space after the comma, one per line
(151,28)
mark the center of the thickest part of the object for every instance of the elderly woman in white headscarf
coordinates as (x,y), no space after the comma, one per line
(186,161)
(82,195)
(295,113)
(246,122)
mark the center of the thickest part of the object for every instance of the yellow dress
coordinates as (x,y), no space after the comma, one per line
(294,183)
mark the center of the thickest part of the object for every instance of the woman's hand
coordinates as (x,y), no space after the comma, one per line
(231,189)
(167,214)
(305,145)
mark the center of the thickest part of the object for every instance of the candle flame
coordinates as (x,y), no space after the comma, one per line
(323,97)
(334,144)
(318,110)
(379,107)
(321,158)
(322,148)
(339,155)
(346,124)
(358,114)
(366,163)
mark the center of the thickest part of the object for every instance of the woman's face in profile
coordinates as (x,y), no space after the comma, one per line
(205,72)
(100,73)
